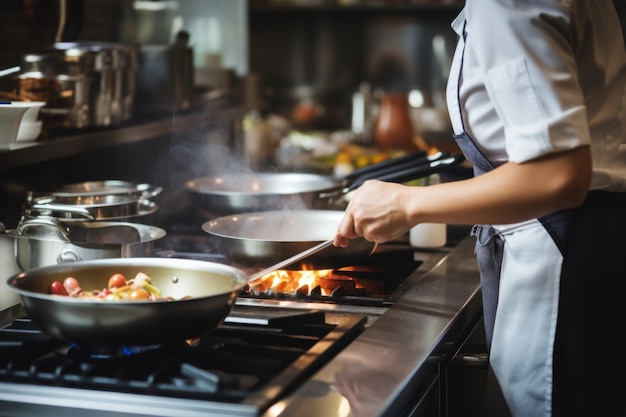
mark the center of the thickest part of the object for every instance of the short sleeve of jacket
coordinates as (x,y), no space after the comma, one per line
(526,53)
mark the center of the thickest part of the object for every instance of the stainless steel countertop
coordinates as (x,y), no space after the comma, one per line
(381,373)
(398,355)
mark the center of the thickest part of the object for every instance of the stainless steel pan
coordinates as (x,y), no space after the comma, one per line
(80,190)
(264,238)
(244,193)
(214,288)
(41,241)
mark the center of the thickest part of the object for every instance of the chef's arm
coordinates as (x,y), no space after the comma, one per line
(511,193)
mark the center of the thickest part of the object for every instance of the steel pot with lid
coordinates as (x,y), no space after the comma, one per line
(41,241)
(94,201)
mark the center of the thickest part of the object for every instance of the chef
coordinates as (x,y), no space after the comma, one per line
(536,98)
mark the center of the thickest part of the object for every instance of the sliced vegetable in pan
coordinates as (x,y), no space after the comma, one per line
(118,288)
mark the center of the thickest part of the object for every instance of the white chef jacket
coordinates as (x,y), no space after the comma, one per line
(529,85)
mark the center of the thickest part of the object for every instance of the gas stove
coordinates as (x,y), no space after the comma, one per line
(279,354)
(254,359)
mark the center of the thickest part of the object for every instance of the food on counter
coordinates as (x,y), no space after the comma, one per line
(351,156)
(118,288)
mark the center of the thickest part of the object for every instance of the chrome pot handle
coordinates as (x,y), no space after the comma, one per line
(67,256)
(43,228)
(44,208)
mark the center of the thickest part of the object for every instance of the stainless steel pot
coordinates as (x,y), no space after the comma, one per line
(94,200)
(42,241)
(244,193)
(8,267)
(84,84)
(213,288)
(80,190)
(265,238)
(96,207)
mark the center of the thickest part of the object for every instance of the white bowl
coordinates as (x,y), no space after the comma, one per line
(28,130)
(10,119)
(32,114)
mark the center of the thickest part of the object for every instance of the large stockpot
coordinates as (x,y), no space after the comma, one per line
(228,194)
(265,238)
(42,241)
(213,288)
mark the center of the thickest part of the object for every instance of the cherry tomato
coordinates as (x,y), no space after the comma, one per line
(116,281)
(139,294)
(71,285)
(57,288)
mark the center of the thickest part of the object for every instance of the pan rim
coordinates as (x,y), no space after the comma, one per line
(242,217)
(239,276)
(325,182)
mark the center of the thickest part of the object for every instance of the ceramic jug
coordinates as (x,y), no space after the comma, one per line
(393,128)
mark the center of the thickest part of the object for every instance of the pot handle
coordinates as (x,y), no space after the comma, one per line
(68,256)
(42,227)
(149,191)
(45,209)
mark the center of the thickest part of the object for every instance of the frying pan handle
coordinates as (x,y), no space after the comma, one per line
(408,174)
(381,166)
(401,168)
(422,171)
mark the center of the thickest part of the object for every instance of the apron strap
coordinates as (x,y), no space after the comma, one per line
(489,250)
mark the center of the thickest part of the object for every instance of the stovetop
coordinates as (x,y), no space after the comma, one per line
(257,356)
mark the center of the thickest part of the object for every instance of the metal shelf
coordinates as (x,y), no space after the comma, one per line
(25,154)
(366,7)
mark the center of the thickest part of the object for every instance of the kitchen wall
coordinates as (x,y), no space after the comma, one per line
(323,54)
(218,28)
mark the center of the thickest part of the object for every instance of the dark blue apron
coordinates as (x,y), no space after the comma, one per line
(588,368)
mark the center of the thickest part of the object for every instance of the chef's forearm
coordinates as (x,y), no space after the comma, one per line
(508,194)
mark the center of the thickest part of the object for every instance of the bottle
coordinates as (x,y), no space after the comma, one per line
(362,103)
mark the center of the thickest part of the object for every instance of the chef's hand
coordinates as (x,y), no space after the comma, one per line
(377,212)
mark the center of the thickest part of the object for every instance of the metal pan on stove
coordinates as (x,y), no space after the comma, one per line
(243,193)
(213,289)
(264,238)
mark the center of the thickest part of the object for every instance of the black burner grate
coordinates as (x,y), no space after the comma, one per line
(258,355)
